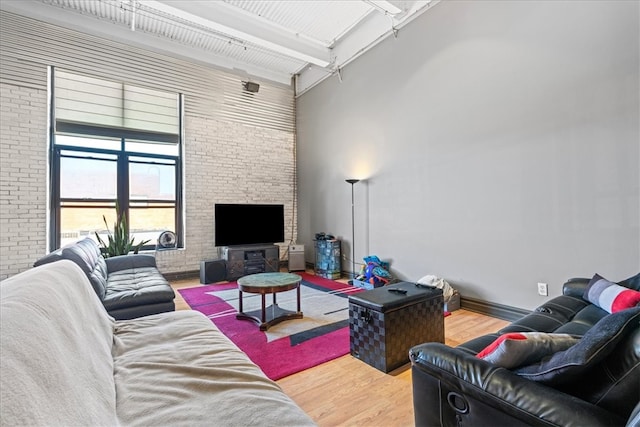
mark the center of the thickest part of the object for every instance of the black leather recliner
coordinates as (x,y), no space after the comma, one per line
(129,286)
(453,387)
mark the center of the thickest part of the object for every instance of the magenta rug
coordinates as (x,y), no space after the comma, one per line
(293,345)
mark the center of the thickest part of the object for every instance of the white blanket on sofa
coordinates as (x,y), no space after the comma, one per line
(65,361)
(55,350)
(197,376)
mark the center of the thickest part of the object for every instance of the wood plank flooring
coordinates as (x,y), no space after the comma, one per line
(348,392)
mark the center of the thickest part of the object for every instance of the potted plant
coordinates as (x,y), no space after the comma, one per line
(118,242)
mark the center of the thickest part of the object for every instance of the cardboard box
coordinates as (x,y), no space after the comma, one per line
(453,303)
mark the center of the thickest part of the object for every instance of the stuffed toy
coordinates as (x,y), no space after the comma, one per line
(374,271)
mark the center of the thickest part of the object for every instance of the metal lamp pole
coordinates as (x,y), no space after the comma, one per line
(353,231)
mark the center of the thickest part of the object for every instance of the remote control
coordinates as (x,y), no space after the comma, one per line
(396,290)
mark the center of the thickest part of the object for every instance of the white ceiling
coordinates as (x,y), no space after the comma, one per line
(256,39)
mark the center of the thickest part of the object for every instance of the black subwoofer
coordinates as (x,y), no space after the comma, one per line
(213,271)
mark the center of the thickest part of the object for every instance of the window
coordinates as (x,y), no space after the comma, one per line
(114,143)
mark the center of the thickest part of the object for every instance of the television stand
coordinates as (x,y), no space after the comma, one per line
(250,259)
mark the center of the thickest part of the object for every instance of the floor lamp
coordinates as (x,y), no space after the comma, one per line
(353,231)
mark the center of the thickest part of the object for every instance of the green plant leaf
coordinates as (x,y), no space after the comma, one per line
(118,242)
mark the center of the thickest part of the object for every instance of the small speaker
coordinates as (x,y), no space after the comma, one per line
(251,87)
(213,271)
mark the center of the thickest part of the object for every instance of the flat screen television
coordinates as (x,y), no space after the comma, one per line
(248,224)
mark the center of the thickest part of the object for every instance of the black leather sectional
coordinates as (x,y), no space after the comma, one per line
(597,383)
(129,286)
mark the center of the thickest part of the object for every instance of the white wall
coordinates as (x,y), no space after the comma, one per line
(499,142)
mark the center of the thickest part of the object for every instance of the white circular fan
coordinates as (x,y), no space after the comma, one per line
(167,239)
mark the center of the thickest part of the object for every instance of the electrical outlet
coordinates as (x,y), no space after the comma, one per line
(543,289)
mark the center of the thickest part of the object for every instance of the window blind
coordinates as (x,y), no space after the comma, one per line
(81,99)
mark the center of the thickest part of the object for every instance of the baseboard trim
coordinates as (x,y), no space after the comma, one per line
(492,309)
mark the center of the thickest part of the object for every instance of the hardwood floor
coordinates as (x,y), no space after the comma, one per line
(348,392)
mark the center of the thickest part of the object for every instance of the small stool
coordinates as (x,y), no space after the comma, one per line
(384,325)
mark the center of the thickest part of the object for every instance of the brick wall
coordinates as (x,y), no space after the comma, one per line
(23,177)
(224,162)
(229,163)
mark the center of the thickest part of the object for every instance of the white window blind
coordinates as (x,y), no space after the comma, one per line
(88,100)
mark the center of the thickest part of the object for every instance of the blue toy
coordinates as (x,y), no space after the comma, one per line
(374,271)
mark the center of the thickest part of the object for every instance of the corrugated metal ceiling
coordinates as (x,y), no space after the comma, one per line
(256,39)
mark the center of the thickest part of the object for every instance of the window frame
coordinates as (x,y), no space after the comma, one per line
(59,150)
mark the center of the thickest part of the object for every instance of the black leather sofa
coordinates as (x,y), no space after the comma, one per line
(129,286)
(453,387)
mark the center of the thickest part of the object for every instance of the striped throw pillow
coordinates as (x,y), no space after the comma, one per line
(610,296)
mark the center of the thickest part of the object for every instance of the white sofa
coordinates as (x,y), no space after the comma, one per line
(65,361)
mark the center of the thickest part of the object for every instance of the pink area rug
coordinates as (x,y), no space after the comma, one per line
(290,346)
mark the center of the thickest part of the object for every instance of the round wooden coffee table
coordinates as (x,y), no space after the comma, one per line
(268,283)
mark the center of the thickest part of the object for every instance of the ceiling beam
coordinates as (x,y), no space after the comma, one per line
(384,6)
(241,26)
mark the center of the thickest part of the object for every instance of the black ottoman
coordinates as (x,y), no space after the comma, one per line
(384,325)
